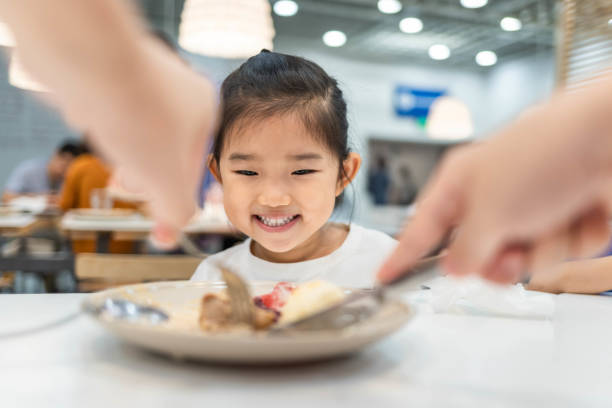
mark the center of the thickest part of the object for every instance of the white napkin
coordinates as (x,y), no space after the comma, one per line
(475,296)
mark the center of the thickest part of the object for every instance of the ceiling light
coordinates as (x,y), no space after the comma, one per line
(226,28)
(474,3)
(6,36)
(439,52)
(334,38)
(486,58)
(389,6)
(285,8)
(510,24)
(610,22)
(411,25)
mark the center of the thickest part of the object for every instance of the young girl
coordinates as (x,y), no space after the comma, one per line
(282,157)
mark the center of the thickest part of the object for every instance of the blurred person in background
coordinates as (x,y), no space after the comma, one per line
(379,182)
(85,187)
(85,174)
(41,176)
(405,190)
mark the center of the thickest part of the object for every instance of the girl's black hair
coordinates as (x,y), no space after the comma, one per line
(272,83)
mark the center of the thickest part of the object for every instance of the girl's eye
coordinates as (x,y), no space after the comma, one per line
(245,172)
(303,172)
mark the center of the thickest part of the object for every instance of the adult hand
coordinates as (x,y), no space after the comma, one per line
(535,194)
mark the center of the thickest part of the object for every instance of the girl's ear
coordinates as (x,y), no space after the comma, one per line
(350,167)
(213,167)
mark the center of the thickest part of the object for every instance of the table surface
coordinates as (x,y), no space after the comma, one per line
(16,221)
(437,360)
(138,224)
(129,224)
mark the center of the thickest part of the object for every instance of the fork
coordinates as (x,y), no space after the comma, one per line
(237,290)
(240,297)
(363,304)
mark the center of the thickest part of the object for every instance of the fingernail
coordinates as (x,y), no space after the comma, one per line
(452,266)
(510,268)
(385,273)
(164,237)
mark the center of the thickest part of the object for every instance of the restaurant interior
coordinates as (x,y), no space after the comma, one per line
(98,312)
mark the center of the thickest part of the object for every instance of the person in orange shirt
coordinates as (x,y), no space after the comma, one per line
(87,173)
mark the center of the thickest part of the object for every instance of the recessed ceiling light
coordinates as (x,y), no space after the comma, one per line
(439,52)
(474,3)
(510,24)
(389,6)
(486,58)
(411,25)
(334,38)
(286,8)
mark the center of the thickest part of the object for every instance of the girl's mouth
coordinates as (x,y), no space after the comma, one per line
(276,224)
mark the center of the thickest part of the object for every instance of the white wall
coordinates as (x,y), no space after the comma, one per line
(517,84)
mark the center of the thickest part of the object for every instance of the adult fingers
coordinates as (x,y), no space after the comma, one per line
(437,212)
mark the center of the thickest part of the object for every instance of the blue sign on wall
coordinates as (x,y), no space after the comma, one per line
(414,102)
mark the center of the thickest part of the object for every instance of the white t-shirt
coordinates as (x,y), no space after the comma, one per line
(353,264)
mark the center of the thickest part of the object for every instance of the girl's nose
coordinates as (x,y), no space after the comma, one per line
(273,195)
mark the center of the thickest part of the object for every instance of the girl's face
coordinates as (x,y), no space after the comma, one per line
(279,183)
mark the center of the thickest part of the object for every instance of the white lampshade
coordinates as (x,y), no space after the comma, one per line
(226,28)
(19,78)
(449,118)
(6,36)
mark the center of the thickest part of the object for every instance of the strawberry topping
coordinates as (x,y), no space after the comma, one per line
(276,299)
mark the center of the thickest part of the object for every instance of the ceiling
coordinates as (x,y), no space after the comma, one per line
(374,36)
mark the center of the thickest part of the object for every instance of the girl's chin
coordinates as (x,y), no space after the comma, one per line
(276,247)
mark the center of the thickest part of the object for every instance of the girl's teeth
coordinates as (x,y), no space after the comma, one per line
(275,222)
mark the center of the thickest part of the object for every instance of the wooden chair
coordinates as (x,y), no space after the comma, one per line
(102,271)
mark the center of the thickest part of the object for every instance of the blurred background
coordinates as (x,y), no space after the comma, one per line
(391,61)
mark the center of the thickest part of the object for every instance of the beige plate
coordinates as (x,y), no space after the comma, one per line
(180,337)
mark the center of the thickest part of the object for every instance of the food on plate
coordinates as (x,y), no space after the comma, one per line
(215,314)
(276,299)
(286,303)
(310,298)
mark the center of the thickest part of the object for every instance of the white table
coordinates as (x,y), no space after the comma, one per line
(16,223)
(139,224)
(131,228)
(435,361)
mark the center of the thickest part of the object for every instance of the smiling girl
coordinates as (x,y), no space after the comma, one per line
(281,154)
